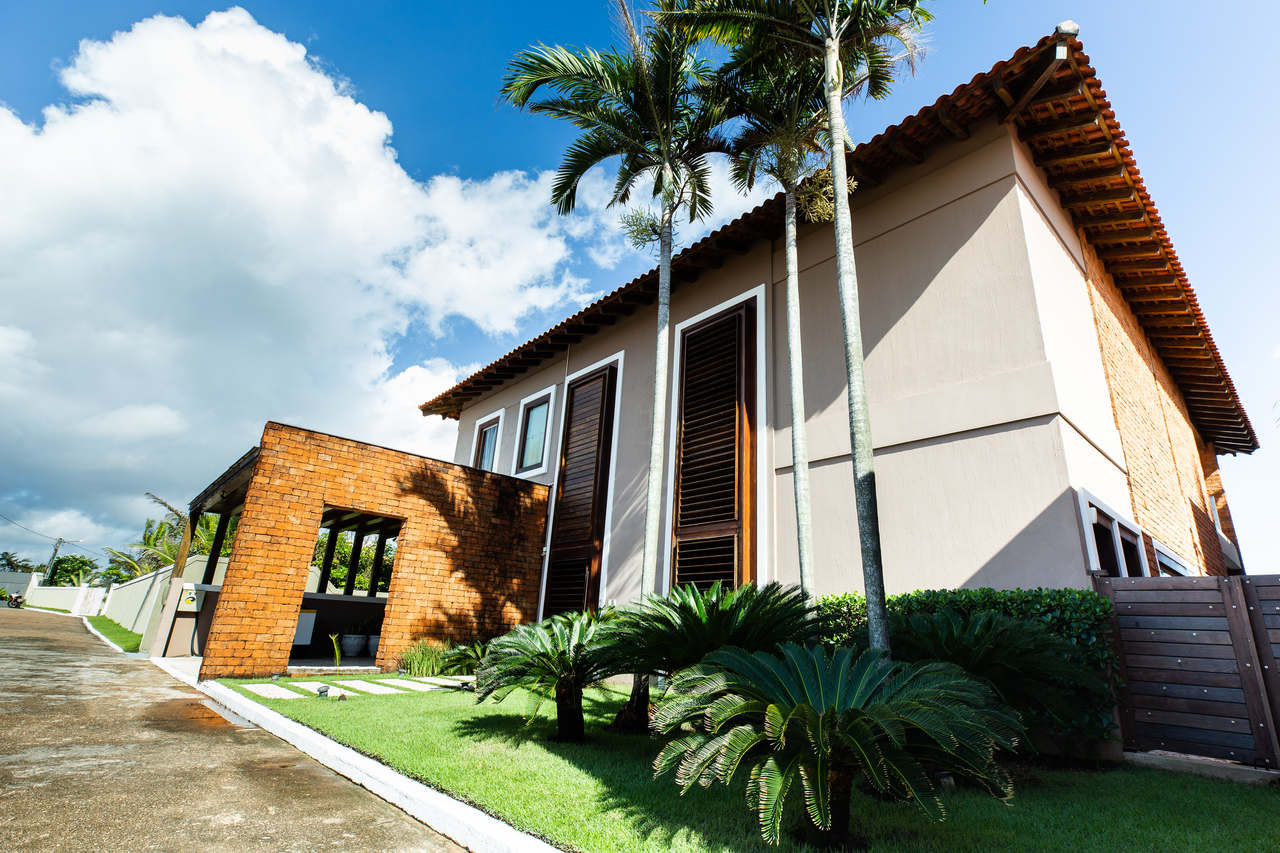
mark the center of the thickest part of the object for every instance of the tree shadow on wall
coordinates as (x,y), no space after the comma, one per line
(491,547)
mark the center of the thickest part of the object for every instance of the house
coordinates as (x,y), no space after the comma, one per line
(1047,405)
(1046,398)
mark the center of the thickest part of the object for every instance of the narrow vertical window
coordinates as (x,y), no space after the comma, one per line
(487,445)
(533,435)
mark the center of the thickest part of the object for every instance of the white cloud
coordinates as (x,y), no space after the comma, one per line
(135,422)
(215,233)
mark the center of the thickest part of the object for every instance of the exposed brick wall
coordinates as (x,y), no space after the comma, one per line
(1163,452)
(1213,480)
(468,557)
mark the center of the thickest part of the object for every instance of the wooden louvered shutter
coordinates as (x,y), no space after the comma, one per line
(714,510)
(577,527)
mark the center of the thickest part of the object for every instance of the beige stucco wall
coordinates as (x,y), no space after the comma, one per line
(989,403)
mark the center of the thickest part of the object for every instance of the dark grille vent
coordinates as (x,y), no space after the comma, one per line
(566,587)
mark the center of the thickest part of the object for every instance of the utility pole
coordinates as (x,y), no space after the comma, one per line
(57,543)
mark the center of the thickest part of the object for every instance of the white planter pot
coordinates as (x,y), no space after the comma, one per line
(352,644)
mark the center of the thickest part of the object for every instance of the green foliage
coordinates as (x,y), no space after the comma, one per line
(663,635)
(72,570)
(424,659)
(557,657)
(1081,704)
(464,659)
(829,722)
(337,651)
(342,561)
(11,562)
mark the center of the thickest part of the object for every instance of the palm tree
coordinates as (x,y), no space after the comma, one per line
(558,657)
(845,34)
(663,635)
(830,721)
(645,106)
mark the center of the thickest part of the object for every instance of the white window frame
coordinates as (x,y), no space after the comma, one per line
(1089,503)
(549,393)
(764,473)
(617,358)
(497,442)
(1168,554)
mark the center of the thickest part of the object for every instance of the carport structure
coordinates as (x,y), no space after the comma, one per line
(467,563)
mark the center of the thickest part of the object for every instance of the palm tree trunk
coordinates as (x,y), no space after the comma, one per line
(657,446)
(799,428)
(864,475)
(570,726)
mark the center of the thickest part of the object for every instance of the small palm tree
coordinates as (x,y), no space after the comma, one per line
(558,657)
(829,721)
(663,635)
(844,35)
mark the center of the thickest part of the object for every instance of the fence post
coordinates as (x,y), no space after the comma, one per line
(1261,719)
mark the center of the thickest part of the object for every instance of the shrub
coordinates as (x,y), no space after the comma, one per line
(663,635)
(424,659)
(464,659)
(829,722)
(1079,618)
(558,657)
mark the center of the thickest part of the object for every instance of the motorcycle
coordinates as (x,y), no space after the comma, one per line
(16,601)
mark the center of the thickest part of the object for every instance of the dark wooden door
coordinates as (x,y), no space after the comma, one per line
(577,527)
(714,511)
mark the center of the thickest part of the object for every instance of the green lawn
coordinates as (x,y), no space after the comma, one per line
(600,796)
(116,633)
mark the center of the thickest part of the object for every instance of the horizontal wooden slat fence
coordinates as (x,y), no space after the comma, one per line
(1198,659)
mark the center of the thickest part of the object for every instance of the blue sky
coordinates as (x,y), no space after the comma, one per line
(188,353)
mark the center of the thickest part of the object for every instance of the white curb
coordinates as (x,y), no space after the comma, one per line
(465,824)
(96,633)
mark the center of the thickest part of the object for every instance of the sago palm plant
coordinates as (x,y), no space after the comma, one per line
(844,35)
(663,635)
(830,722)
(558,658)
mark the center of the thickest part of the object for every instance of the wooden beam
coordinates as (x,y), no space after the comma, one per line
(1099,197)
(948,121)
(1123,216)
(1124,235)
(1051,65)
(1054,94)
(1002,91)
(1128,253)
(1139,266)
(1086,176)
(900,146)
(1074,153)
(1126,282)
(1070,124)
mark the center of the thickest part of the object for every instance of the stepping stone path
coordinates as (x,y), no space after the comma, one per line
(369,686)
(272,691)
(406,684)
(314,687)
(450,681)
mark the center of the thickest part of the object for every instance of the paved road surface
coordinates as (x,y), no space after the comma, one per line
(103,752)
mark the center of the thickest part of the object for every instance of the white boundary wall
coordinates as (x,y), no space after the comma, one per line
(131,603)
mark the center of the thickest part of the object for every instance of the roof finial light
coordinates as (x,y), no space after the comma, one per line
(1067,28)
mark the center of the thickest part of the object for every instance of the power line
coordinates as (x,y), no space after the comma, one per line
(66,542)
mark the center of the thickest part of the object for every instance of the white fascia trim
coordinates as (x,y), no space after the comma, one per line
(619,358)
(497,442)
(1164,551)
(1084,499)
(550,393)
(764,566)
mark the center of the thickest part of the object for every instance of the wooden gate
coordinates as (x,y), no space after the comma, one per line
(1198,659)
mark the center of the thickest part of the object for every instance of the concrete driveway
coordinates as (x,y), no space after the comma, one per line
(105,752)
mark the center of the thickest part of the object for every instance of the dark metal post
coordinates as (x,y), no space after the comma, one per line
(327,565)
(375,576)
(215,550)
(353,568)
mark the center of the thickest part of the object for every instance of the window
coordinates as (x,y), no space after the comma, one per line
(485,453)
(535,420)
(1168,564)
(1115,547)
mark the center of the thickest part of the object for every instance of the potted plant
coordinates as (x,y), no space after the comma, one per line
(372,629)
(353,644)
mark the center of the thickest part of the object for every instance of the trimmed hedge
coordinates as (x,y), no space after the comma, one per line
(1080,616)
